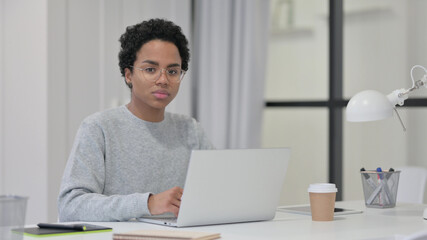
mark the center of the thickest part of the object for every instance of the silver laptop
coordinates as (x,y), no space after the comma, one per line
(230,186)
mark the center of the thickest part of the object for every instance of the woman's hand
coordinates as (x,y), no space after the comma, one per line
(167,201)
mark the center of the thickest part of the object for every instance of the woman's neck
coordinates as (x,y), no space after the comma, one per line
(150,115)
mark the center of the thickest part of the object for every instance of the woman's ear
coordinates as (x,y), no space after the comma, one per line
(128,77)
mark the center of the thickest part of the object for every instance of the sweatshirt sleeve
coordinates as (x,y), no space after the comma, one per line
(204,142)
(81,194)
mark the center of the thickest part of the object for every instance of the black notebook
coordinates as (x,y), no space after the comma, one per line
(48,232)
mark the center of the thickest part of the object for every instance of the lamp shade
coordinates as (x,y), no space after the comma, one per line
(368,105)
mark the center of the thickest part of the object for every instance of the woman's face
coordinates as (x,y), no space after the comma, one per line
(154,95)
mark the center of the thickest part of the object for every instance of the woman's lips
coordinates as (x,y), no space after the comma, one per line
(161,94)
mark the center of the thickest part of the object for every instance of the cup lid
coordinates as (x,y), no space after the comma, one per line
(14,198)
(322,188)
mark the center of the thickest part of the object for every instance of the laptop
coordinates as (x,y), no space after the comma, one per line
(229,186)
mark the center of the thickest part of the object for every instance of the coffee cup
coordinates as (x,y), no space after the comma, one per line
(322,201)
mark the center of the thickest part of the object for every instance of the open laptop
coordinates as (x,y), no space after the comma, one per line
(230,186)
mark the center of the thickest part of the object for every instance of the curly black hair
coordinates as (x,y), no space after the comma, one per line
(137,35)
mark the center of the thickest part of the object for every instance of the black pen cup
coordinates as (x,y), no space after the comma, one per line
(380,188)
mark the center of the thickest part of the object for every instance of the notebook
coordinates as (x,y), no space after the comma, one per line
(51,232)
(165,235)
(230,186)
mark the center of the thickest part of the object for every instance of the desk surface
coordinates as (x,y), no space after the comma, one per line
(378,224)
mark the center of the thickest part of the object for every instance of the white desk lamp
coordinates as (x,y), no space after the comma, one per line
(371,105)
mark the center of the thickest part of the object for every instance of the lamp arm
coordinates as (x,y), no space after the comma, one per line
(397,97)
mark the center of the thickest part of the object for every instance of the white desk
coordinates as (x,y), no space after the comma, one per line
(377,224)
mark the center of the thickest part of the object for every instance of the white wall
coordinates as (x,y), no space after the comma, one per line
(1,96)
(59,64)
(57,101)
(417,55)
(24,103)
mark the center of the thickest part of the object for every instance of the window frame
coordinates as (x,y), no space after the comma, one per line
(335,103)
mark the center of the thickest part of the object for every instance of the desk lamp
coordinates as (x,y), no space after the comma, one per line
(371,105)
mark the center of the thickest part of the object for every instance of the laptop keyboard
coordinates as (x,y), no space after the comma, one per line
(162,218)
(166,219)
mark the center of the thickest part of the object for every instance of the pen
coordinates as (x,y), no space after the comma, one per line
(378,190)
(371,183)
(78,227)
(381,198)
(389,179)
(385,191)
(386,185)
(368,178)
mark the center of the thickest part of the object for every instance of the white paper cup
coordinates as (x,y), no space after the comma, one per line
(12,215)
(322,201)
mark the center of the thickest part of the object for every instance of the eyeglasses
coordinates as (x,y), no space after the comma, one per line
(152,74)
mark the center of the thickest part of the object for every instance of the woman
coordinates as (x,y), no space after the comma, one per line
(131,161)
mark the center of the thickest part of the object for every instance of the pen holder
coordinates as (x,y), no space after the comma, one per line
(380,188)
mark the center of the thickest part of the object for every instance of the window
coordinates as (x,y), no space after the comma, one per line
(296,92)
(321,54)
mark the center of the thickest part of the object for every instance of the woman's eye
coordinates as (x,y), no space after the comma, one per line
(173,71)
(150,70)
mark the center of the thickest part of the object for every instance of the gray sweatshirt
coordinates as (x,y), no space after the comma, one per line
(117,160)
